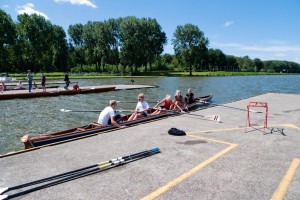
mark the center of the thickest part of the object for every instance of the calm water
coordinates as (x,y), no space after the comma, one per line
(42,115)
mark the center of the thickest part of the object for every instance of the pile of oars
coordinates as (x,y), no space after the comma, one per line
(75,174)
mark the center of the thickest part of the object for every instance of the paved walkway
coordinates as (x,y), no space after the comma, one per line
(214,161)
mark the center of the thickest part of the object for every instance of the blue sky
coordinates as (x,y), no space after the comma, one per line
(265,29)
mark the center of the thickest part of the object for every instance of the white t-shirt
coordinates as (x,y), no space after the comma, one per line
(141,106)
(105,115)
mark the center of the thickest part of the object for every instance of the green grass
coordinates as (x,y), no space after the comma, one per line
(60,75)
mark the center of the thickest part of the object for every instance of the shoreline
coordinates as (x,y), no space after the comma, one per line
(52,76)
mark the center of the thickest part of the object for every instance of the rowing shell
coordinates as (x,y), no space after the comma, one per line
(94,128)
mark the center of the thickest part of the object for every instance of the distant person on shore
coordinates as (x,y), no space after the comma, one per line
(29,78)
(132,81)
(19,86)
(2,87)
(108,115)
(67,81)
(43,82)
(140,109)
(76,86)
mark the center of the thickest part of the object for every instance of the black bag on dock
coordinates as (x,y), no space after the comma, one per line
(176,132)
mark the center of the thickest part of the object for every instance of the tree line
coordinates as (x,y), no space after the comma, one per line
(128,44)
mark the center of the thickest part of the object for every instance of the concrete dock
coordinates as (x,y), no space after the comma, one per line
(214,160)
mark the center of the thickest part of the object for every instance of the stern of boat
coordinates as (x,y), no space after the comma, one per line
(26,141)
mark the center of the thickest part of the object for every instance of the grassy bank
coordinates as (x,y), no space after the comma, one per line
(60,75)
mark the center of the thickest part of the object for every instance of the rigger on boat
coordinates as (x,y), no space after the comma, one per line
(95,128)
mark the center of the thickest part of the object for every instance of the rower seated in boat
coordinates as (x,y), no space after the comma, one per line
(167,104)
(189,98)
(108,116)
(141,108)
(178,99)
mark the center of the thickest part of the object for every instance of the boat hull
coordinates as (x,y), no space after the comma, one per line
(54,93)
(92,129)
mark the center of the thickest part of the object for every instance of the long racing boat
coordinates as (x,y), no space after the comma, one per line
(94,128)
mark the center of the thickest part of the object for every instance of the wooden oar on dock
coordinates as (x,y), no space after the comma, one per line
(68,176)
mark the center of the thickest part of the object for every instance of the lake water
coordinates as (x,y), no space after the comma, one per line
(42,115)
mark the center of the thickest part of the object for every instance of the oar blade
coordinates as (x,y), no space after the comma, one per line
(2,190)
(217,118)
(64,110)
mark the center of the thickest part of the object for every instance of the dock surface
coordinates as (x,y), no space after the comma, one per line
(13,94)
(213,161)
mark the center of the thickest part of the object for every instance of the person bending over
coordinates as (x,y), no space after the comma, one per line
(108,116)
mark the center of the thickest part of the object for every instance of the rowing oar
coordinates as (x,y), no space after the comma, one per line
(216,118)
(206,102)
(68,176)
(136,101)
(65,110)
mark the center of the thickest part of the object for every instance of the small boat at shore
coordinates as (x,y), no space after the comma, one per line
(4,96)
(94,128)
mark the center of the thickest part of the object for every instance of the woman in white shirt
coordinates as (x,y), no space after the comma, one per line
(107,116)
(141,108)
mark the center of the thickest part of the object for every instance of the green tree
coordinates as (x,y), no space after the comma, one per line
(7,40)
(59,49)
(35,35)
(231,63)
(259,65)
(188,42)
(76,42)
(131,45)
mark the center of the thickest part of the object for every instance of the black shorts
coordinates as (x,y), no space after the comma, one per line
(117,118)
(43,84)
(144,114)
(162,107)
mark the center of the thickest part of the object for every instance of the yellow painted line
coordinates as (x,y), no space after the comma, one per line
(217,130)
(209,139)
(291,126)
(232,129)
(189,173)
(282,187)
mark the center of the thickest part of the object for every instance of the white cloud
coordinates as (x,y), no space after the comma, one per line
(5,6)
(261,47)
(264,50)
(228,23)
(29,9)
(78,2)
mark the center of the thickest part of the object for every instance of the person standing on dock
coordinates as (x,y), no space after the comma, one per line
(67,81)
(108,116)
(43,82)
(29,78)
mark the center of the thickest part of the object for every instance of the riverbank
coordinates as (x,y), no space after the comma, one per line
(94,75)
